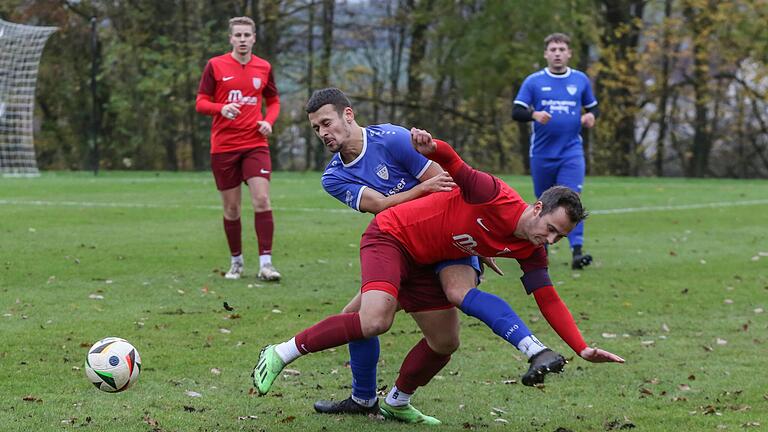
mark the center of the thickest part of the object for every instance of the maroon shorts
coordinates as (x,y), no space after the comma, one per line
(231,168)
(384,259)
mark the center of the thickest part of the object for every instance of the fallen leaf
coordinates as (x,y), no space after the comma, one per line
(188,408)
(30,398)
(498,410)
(691,377)
(248,417)
(751,424)
(228,307)
(647,342)
(216,371)
(646,391)
(288,419)
(728,301)
(276,311)
(684,387)
(291,372)
(707,348)
(665,328)
(150,421)
(609,335)
(721,341)
(96,297)
(191,393)
(501,420)
(758,310)
(509,381)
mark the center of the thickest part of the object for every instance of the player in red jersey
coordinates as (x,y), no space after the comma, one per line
(483,217)
(233,89)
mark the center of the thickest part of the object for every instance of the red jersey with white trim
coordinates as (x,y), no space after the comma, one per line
(226,80)
(447,225)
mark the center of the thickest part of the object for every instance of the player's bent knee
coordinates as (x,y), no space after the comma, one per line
(446,346)
(374,326)
(456,293)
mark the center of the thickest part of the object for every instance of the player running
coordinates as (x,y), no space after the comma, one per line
(552,98)
(232,89)
(484,217)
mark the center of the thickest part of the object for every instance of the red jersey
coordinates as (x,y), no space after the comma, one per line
(224,81)
(480,219)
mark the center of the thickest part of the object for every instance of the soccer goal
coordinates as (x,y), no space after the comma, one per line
(20,49)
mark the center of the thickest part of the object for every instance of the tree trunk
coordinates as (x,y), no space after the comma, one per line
(324,72)
(421,17)
(663,102)
(309,134)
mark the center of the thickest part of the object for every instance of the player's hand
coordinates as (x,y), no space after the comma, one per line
(596,355)
(491,263)
(231,110)
(439,183)
(265,128)
(542,117)
(422,141)
(588,120)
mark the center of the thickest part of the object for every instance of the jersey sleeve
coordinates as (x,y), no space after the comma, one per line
(207,81)
(587,97)
(400,148)
(525,94)
(349,193)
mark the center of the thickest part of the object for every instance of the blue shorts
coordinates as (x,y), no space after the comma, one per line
(472,261)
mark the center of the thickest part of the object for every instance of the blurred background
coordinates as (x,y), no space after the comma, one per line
(682,84)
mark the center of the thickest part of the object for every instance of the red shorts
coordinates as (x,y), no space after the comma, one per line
(231,168)
(384,259)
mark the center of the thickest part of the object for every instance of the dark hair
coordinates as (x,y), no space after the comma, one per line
(561,196)
(330,95)
(557,37)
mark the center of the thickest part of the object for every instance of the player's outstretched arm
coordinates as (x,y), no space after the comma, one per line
(597,355)
(559,317)
(374,202)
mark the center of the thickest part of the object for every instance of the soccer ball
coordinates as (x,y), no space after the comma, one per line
(112,364)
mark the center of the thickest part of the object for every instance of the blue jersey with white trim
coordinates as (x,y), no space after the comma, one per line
(562,96)
(388,164)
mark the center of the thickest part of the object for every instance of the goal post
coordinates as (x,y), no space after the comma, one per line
(20,49)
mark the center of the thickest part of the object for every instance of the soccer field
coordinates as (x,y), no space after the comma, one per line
(679,288)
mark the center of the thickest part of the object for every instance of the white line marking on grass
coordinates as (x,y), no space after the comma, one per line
(679,207)
(83,204)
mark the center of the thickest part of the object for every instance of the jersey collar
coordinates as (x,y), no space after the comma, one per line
(565,75)
(362,152)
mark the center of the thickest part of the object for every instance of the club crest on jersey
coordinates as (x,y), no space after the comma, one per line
(571,89)
(382,172)
(349,198)
(257,83)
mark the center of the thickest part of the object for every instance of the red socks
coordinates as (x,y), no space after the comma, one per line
(419,366)
(233,230)
(265,228)
(331,332)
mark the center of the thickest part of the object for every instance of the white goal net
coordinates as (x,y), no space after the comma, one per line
(20,49)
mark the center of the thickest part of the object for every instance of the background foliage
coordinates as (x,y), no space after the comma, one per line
(682,83)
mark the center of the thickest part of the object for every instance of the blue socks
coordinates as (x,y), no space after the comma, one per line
(496,314)
(363,358)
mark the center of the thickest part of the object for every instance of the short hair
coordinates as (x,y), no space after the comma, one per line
(561,196)
(557,37)
(330,95)
(243,20)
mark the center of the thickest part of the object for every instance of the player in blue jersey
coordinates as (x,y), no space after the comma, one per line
(374,168)
(553,99)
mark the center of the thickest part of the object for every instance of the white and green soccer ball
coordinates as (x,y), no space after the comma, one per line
(112,364)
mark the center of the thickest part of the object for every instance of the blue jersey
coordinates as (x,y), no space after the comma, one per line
(388,164)
(562,96)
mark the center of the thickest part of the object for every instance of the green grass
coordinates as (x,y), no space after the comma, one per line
(152,245)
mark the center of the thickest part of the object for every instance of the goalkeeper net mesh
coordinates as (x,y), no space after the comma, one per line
(20,49)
